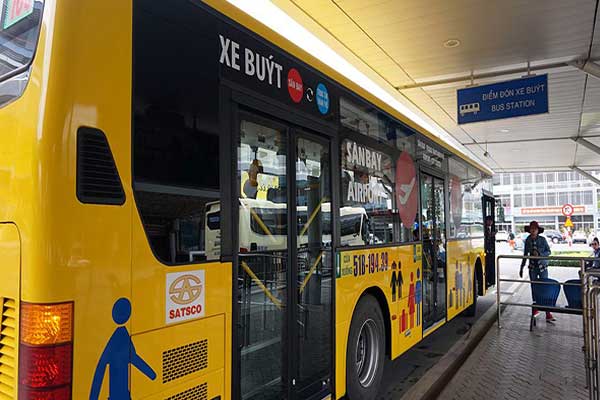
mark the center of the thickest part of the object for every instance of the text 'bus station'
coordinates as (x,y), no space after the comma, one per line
(299,199)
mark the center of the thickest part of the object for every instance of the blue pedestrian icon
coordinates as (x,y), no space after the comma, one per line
(117,355)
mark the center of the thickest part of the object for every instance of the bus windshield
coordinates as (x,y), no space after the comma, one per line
(19,27)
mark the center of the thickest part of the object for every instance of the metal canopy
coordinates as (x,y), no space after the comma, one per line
(407,46)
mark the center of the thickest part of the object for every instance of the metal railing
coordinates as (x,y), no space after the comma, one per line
(590,309)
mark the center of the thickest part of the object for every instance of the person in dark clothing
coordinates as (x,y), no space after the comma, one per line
(536,245)
(595,245)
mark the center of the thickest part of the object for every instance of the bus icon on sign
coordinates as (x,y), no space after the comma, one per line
(469,108)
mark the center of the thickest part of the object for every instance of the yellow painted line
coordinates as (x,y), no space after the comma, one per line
(310,272)
(312,217)
(274,299)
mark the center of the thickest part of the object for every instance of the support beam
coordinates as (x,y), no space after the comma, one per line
(586,174)
(587,66)
(585,143)
(495,74)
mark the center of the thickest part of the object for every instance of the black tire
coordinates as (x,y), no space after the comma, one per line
(472,309)
(365,350)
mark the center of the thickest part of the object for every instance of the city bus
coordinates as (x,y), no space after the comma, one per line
(134,132)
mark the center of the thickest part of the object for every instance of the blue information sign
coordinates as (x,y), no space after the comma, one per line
(526,96)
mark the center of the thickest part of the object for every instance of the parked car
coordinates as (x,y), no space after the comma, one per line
(553,236)
(579,237)
(593,235)
(501,236)
(520,240)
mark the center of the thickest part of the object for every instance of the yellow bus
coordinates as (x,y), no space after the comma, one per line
(132,132)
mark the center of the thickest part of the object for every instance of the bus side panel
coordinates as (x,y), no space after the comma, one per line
(82,252)
(462,256)
(392,271)
(459,274)
(203,340)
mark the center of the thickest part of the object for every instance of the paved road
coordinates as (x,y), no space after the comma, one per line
(513,363)
(406,370)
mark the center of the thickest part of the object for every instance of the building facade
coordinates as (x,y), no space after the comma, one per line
(540,196)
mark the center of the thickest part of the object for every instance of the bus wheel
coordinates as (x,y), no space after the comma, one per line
(366,349)
(470,311)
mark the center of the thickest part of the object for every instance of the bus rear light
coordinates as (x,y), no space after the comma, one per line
(46,351)
(43,324)
(61,393)
(43,367)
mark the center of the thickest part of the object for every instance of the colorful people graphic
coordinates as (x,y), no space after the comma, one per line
(396,283)
(411,301)
(403,321)
(469,284)
(457,284)
(419,296)
(117,355)
(462,288)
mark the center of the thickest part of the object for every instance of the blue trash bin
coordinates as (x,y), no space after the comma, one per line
(573,294)
(544,294)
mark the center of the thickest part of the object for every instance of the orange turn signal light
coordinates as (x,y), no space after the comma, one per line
(45,324)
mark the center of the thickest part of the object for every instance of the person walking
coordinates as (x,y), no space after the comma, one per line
(595,253)
(536,245)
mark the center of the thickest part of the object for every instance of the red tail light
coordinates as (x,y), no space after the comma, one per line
(61,393)
(46,351)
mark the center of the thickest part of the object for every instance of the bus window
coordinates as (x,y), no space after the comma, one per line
(19,30)
(175,138)
(368,177)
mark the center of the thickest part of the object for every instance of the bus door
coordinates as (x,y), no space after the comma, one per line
(489,218)
(433,228)
(284,276)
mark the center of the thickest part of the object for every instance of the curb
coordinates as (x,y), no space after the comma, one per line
(437,377)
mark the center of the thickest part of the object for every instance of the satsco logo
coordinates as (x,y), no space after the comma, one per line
(185,289)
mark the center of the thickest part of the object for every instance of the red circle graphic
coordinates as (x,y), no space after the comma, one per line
(295,86)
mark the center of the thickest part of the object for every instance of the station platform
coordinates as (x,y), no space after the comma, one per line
(513,362)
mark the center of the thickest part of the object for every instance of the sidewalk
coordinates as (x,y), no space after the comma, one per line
(514,363)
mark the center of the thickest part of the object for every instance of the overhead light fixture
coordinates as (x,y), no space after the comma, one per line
(504,130)
(451,43)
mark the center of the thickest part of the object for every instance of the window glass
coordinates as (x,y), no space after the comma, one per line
(550,177)
(518,200)
(496,179)
(526,178)
(540,200)
(175,135)
(576,198)
(539,178)
(465,191)
(563,177)
(430,154)
(551,197)
(517,179)
(588,197)
(506,179)
(528,200)
(563,198)
(368,181)
(19,30)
